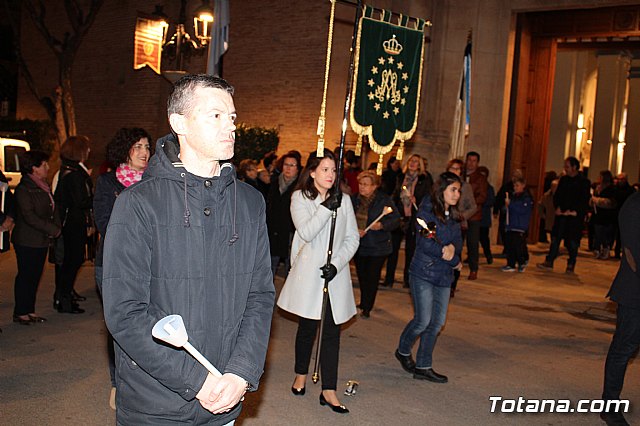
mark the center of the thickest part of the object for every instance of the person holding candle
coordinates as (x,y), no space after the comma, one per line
(430,276)
(376,216)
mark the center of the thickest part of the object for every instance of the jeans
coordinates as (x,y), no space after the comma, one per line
(567,228)
(624,344)
(473,244)
(430,305)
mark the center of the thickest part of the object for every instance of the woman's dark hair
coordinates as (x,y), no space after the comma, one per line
(30,159)
(305,182)
(606,178)
(291,154)
(75,148)
(437,196)
(119,147)
(244,167)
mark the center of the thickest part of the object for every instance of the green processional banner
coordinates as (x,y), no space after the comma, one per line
(388,76)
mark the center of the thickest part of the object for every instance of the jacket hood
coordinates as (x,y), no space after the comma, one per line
(166,164)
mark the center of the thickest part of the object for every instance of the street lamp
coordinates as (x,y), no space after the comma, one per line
(180,44)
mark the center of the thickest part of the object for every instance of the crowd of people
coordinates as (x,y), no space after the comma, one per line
(210,240)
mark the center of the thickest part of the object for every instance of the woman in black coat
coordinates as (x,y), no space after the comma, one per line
(74,201)
(414,185)
(129,152)
(375,244)
(35,224)
(279,222)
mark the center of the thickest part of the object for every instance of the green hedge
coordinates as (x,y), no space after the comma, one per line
(254,142)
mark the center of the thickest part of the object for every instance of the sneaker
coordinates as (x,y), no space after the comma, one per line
(604,253)
(546,266)
(522,267)
(508,268)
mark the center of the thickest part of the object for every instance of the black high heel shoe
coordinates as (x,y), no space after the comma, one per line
(21,321)
(340,409)
(298,392)
(76,297)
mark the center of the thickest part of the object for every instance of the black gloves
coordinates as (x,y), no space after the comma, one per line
(334,200)
(328,272)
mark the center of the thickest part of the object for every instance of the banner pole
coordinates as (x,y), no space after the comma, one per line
(347,104)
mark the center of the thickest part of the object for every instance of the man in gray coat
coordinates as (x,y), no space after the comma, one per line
(189,239)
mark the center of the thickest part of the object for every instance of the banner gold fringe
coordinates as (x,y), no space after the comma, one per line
(359,146)
(379,168)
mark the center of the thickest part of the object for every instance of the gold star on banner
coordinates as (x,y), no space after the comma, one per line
(376,106)
(400,65)
(405,89)
(405,76)
(385,114)
(374,70)
(370,82)
(370,96)
(396,111)
(381,60)
(403,101)
(390,60)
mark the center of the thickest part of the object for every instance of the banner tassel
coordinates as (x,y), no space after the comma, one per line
(380,164)
(400,151)
(359,146)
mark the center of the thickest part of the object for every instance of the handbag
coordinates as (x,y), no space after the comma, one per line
(56,250)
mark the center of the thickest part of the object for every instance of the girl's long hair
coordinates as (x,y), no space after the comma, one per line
(305,183)
(437,197)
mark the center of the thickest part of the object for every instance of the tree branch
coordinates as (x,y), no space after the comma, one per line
(37,14)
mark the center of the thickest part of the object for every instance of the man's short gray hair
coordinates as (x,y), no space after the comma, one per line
(181,96)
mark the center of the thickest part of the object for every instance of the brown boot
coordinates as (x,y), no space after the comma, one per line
(473,275)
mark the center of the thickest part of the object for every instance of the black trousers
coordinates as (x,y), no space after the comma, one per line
(30,266)
(74,250)
(305,337)
(473,244)
(392,259)
(624,344)
(516,246)
(485,242)
(369,269)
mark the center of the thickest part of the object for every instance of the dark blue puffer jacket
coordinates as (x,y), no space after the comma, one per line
(520,208)
(427,263)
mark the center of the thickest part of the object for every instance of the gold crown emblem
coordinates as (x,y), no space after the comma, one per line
(392,46)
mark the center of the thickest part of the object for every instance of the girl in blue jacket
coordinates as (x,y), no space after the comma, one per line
(437,255)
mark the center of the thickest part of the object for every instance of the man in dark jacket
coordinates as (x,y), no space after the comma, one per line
(625,290)
(189,239)
(571,200)
(479,184)
(6,213)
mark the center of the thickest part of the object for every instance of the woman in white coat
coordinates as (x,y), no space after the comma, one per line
(311,209)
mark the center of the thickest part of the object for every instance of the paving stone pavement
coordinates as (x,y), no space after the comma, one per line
(539,335)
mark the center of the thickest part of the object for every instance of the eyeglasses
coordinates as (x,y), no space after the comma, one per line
(290,165)
(455,168)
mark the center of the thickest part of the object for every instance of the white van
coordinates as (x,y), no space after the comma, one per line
(9,163)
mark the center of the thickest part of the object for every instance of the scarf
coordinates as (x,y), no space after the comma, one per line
(42,184)
(283,184)
(128,176)
(362,212)
(410,181)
